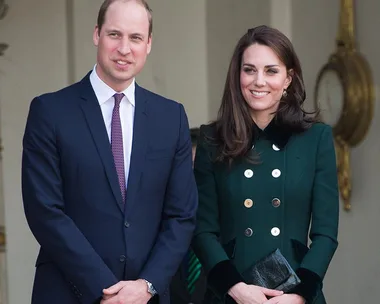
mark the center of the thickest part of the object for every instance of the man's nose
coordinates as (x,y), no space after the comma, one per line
(124,47)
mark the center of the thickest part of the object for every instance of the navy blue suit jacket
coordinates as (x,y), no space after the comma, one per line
(89,240)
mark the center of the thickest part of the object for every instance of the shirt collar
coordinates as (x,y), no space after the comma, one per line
(103,92)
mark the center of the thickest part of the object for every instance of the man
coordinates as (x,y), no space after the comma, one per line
(189,283)
(107,178)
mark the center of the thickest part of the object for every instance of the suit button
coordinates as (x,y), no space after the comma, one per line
(122,258)
(276,202)
(248,232)
(248,203)
(248,173)
(126,224)
(275,231)
(276,173)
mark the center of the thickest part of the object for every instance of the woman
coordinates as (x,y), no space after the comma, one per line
(265,171)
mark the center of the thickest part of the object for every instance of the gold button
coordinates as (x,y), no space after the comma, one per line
(248,203)
(276,202)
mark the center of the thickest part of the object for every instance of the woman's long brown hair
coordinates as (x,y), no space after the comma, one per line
(234,124)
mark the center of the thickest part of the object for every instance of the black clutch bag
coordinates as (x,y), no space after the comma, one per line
(273,272)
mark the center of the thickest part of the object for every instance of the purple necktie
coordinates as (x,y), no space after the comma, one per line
(117,143)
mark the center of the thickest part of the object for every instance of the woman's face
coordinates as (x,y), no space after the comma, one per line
(263,78)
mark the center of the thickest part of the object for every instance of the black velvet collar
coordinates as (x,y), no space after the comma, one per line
(276,132)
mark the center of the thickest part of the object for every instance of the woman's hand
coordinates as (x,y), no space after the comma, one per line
(251,294)
(287,299)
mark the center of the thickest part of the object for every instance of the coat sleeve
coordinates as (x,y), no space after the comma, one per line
(178,215)
(222,274)
(325,217)
(44,205)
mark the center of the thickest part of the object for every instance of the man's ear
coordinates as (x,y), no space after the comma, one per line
(149,48)
(95,36)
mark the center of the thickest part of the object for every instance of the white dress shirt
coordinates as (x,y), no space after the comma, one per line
(106,101)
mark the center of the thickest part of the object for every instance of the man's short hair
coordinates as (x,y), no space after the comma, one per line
(104,7)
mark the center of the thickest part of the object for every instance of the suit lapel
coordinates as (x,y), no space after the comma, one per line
(139,144)
(95,121)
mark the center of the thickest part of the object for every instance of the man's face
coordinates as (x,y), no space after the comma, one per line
(123,44)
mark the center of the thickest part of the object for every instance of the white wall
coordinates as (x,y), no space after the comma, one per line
(35,62)
(227,21)
(177,67)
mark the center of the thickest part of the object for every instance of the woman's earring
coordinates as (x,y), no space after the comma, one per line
(284,93)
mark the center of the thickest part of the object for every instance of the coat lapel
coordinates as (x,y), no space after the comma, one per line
(95,121)
(139,144)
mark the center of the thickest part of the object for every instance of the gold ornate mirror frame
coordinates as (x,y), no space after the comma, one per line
(355,76)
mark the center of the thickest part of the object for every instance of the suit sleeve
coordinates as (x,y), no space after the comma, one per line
(222,274)
(178,218)
(325,218)
(44,205)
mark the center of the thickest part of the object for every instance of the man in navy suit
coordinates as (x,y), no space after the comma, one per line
(107,178)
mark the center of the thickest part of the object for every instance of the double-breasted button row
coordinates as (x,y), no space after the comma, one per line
(274,147)
(276,202)
(275,231)
(248,203)
(249,173)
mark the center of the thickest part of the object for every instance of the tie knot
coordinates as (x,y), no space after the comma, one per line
(118,97)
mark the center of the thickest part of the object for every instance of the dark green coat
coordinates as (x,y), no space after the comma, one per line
(249,210)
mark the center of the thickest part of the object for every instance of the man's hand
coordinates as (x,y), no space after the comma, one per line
(127,292)
(251,294)
(287,299)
